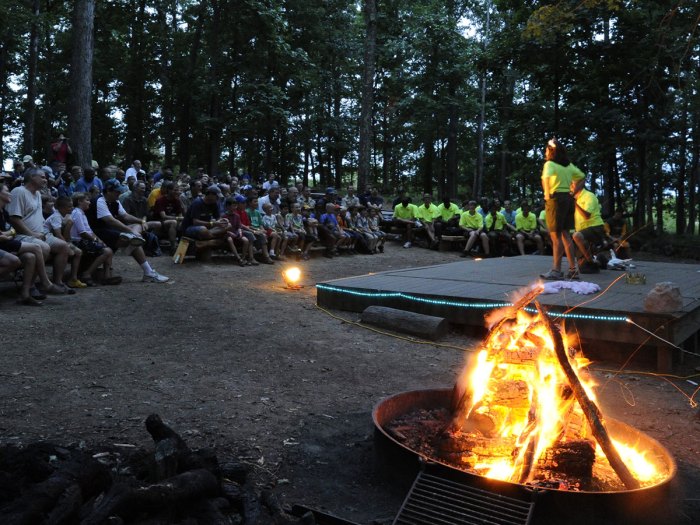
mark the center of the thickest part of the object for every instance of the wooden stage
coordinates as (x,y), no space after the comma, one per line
(464,291)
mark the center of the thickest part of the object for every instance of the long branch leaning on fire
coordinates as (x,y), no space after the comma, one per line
(589,408)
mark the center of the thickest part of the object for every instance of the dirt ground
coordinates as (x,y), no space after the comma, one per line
(233,361)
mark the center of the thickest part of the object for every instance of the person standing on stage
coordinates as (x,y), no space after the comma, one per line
(557,175)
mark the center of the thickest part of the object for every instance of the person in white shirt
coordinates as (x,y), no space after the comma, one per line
(111,224)
(26,218)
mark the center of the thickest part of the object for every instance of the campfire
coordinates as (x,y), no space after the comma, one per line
(524,411)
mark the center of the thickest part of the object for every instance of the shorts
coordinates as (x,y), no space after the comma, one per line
(54,241)
(110,237)
(12,245)
(195,232)
(560,212)
(44,245)
(90,247)
(594,235)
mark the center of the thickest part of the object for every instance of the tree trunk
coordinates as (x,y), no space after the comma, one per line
(682,172)
(190,86)
(30,101)
(693,177)
(135,90)
(370,51)
(80,109)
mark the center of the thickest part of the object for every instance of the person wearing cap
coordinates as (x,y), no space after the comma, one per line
(25,211)
(111,223)
(234,234)
(202,220)
(28,162)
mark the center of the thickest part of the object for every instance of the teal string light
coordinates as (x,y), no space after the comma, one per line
(463,304)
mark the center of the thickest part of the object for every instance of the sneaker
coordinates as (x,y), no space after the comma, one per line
(552,275)
(407,245)
(76,283)
(134,240)
(154,277)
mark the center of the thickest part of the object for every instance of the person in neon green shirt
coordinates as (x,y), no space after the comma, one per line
(557,174)
(497,227)
(405,218)
(447,221)
(590,228)
(426,214)
(472,224)
(526,228)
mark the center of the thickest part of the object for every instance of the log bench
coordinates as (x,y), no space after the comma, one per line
(448,241)
(202,250)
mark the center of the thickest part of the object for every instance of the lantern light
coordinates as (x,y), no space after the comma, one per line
(291,277)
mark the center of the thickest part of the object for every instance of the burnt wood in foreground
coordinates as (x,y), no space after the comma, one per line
(52,485)
(424,326)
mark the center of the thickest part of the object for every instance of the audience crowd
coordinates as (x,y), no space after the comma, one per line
(77,218)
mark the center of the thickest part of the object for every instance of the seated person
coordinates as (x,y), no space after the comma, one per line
(254,225)
(405,218)
(294,222)
(328,223)
(136,204)
(277,243)
(167,212)
(202,221)
(588,224)
(373,221)
(447,221)
(471,223)
(15,254)
(497,228)
(617,230)
(284,230)
(25,216)
(508,212)
(234,234)
(95,252)
(59,225)
(110,222)
(360,221)
(526,228)
(426,214)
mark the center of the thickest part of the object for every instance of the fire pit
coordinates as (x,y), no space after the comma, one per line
(522,422)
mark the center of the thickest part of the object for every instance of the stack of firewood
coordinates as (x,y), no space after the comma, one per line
(49,484)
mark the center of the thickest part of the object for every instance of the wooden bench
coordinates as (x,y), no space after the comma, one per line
(447,241)
(200,249)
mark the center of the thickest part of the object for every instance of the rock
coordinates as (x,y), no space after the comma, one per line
(664,297)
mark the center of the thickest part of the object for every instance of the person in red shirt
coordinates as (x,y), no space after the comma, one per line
(61,149)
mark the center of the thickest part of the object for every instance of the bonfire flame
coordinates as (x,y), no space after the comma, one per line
(527,396)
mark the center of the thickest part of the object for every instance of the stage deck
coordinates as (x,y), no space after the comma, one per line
(464,291)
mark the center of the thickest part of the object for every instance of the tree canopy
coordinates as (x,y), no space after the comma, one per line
(278,86)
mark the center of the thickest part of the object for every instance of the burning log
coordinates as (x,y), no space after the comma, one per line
(573,458)
(590,409)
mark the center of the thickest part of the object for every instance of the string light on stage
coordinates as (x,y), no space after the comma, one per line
(462,304)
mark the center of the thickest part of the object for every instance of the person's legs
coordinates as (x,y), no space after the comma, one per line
(61,252)
(9,262)
(485,243)
(520,241)
(105,258)
(28,261)
(471,239)
(557,250)
(569,249)
(582,245)
(40,267)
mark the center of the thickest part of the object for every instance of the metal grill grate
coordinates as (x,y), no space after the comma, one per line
(435,500)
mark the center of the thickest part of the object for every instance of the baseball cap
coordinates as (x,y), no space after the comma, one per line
(48,171)
(240,198)
(247,187)
(330,189)
(214,189)
(113,185)
(27,158)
